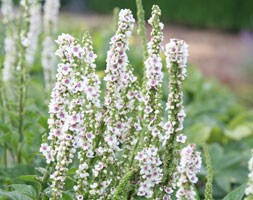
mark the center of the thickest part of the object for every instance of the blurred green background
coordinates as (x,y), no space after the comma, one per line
(225,14)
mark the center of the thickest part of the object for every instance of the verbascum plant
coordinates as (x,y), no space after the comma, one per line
(249,188)
(34,31)
(120,147)
(48,58)
(10,41)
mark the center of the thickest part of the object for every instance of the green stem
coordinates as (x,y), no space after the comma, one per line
(115,18)
(209,186)
(120,190)
(5,156)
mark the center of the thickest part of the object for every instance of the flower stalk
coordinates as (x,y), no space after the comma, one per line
(176,57)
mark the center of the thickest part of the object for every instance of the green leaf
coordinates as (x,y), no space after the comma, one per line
(243,130)
(31,178)
(25,189)
(14,195)
(236,194)
(223,182)
(199,133)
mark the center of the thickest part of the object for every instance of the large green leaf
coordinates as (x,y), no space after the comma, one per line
(236,194)
(25,189)
(14,195)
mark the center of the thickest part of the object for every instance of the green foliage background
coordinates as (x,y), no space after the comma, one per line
(224,14)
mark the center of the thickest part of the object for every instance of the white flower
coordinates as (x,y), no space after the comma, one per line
(150,171)
(249,188)
(190,164)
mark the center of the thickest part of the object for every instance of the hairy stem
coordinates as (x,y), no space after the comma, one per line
(209,186)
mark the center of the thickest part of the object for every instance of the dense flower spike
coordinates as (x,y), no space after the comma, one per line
(34,30)
(249,189)
(10,41)
(92,118)
(176,57)
(154,77)
(50,18)
(190,164)
(150,171)
(75,87)
(119,76)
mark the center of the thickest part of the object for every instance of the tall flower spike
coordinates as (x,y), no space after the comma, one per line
(66,109)
(51,12)
(176,58)
(86,139)
(249,188)
(189,166)
(120,100)
(118,78)
(10,41)
(154,77)
(34,31)
(150,172)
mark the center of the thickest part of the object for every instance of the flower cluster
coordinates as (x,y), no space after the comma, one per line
(51,11)
(10,59)
(77,89)
(34,30)
(176,56)
(249,189)
(10,41)
(86,140)
(125,141)
(190,164)
(119,77)
(150,171)
(153,79)
(7,10)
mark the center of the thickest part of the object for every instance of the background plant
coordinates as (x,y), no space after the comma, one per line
(214,115)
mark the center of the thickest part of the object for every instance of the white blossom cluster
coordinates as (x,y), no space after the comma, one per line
(119,76)
(190,164)
(154,78)
(10,59)
(10,40)
(77,89)
(34,30)
(183,166)
(177,52)
(176,58)
(92,118)
(249,188)
(122,140)
(7,10)
(150,171)
(50,18)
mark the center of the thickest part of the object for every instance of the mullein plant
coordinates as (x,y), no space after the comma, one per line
(249,188)
(48,59)
(10,40)
(20,44)
(124,149)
